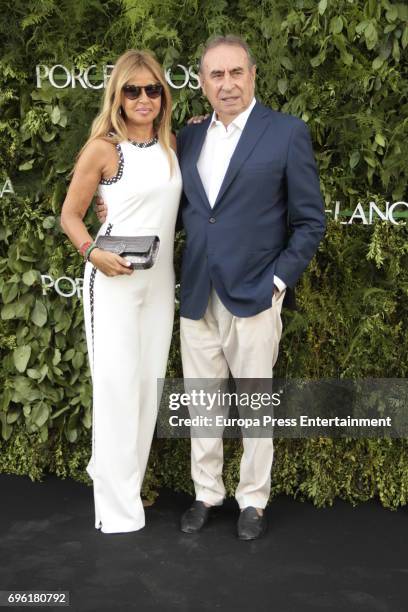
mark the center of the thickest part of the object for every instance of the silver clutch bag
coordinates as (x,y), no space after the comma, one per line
(141,251)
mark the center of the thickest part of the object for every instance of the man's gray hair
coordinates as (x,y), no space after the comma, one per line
(229,39)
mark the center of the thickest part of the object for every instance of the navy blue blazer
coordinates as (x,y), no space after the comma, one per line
(268,217)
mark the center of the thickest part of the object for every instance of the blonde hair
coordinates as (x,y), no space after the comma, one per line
(110,124)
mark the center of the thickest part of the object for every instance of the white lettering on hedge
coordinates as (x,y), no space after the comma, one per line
(392,213)
(188,75)
(67,287)
(359,214)
(7,188)
(64,285)
(60,77)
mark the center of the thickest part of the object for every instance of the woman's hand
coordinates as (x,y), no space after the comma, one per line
(109,263)
(198,119)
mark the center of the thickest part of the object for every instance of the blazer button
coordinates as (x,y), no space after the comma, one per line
(212,219)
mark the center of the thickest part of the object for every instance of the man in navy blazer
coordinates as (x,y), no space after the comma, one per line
(254,217)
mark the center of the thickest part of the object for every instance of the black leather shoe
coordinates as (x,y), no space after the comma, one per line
(195,517)
(250,524)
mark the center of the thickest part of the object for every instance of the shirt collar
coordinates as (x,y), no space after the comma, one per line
(239,121)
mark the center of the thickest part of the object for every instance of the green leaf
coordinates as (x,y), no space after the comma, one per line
(39,314)
(317,59)
(43,372)
(78,361)
(370,161)
(71,430)
(40,414)
(379,139)
(44,433)
(392,13)
(336,25)
(13,415)
(30,277)
(6,428)
(33,373)
(26,165)
(57,357)
(377,63)
(322,6)
(58,413)
(49,222)
(71,435)
(347,58)
(63,121)
(5,399)
(9,292)
(354,159)
(404,38)
(87,419)
(286,62)
(21,356)
(48,136)
(45,94)
(371,35)
(8,312)
(68,355)
(395,50)
(282,86)
(55,115)
(362,26)
(402,12)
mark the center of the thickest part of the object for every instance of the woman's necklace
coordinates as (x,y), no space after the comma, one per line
(144,145)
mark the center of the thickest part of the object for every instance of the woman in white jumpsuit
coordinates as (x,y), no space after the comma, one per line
(128,314)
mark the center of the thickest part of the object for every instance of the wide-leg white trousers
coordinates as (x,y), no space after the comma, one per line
(128,321)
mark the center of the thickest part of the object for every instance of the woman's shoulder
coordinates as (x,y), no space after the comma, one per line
(100,150)
(102,145)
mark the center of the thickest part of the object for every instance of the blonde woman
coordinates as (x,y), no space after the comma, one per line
(129,158)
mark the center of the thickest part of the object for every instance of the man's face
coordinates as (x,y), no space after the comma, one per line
(228,81)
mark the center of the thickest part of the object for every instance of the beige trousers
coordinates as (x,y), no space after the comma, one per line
(247,347)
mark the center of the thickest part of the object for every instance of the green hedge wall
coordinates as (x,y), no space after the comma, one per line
(341,65)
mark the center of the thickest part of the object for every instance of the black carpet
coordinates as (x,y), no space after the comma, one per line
(335,559)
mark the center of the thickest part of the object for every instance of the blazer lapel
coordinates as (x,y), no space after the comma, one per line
(195,154)
(253,130)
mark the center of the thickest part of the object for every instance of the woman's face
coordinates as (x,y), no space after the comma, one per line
(143,109)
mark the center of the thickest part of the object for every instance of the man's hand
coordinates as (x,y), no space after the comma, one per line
(101,209)
(109,263)
(197,119)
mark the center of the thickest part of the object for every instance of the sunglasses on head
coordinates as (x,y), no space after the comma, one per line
(133,91)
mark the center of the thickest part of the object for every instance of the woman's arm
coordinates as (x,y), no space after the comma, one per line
(84,183)
(90,167)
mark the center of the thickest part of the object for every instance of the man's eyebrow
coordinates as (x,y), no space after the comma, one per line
(218,71)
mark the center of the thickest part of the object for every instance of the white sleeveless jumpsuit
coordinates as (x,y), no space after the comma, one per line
(128,323)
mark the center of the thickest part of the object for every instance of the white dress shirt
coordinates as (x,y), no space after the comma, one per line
(218,148)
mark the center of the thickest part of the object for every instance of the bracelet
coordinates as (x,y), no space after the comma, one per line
(84,247)
(89,251)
